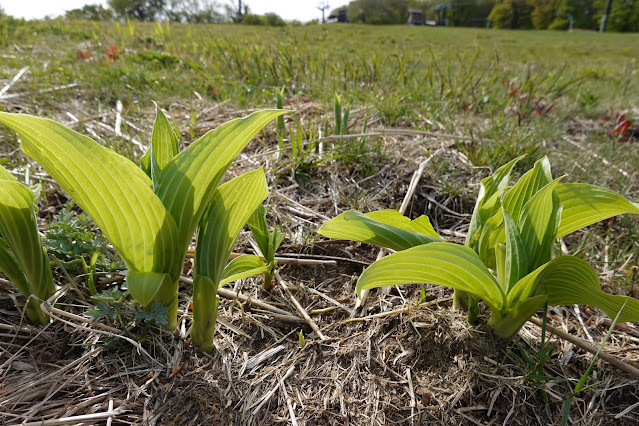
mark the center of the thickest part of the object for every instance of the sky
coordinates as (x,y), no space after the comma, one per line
(303,10)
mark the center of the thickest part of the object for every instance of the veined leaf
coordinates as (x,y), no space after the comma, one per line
(570,280)
(516,258)
(538,224)
(232,205)
(440,263)
(164,146)
(488,197)
(526,187)
(394,218)
(259,228)
(244,266)
(188,181)
(11,268)
(108,187)
(357,226)
(24,260)
(164,141)
(490,234)
(585,204)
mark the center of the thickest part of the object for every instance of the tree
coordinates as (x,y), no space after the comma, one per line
(511,14)
(195,11)
(270,19)
(543,12)
(469,13)
(378,11)
(90,12)
(141,10)
(624,15)
(582,12)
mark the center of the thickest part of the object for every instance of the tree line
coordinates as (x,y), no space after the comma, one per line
(524,14)
(514,14)
(192,11)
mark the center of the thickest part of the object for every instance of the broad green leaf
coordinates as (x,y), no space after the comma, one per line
(490,234)
(11,268)
(5,175)
(23,258)
(144,286)
(109,188)
(585,204)
(232,205)
(164,146)
(440,263)
(527,286)
(357,226)
(570,280)
(244,266)
(204,320)
(538,224)
(189,180)
(516,258)
(500,266)
(526,187)
(488,197)
(394,218)
(164,141)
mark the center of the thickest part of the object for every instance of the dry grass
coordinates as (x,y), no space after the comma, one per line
(399,363)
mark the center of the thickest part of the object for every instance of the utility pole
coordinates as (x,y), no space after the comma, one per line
(604,19)
(323,7)
(239,12)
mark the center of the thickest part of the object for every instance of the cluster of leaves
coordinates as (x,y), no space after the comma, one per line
(115,306)
(71,237)
(507,260)
(150,213)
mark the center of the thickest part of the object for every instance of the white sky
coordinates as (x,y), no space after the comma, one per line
(303,10)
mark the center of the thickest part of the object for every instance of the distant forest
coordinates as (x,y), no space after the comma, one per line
(512,14)
(525,14)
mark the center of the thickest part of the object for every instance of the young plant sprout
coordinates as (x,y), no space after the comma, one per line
(268,242)
(22,258)
(148,214)
(507,260)
(229,210)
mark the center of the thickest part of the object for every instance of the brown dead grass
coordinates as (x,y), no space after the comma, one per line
(423,365)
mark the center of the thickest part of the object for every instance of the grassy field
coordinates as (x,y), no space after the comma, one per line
(472,99)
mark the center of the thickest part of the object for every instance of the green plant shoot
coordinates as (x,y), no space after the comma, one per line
(148,214)
(507,260)
(22,257)
(229,210)
(267,241)
(341,119)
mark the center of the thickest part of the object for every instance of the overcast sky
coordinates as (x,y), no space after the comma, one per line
(303,10)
